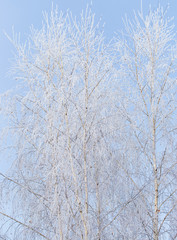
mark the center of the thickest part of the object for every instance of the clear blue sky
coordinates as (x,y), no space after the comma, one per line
(23,13)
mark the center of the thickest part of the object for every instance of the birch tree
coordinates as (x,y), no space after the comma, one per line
(148,71)
(93,127)
(60,118)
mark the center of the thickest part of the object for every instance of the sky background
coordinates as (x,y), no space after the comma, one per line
(21,14)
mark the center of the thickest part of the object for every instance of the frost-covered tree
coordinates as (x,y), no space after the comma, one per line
(93,128)
(61,119)
(148,69)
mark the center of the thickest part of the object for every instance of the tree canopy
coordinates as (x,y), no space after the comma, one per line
(94,132)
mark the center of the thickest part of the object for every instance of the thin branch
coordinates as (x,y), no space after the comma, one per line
(25,225)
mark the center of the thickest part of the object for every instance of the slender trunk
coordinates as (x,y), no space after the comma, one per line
(85,181)
(85,173)
(98,202)
(156,193)
(155,227)
(85,145)
(58,207)
(84,221)
(60,225)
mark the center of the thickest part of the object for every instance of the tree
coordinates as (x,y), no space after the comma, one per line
(60,118)
(148,69)
(94,132)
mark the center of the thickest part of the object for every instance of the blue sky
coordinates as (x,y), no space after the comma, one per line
(21,14)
